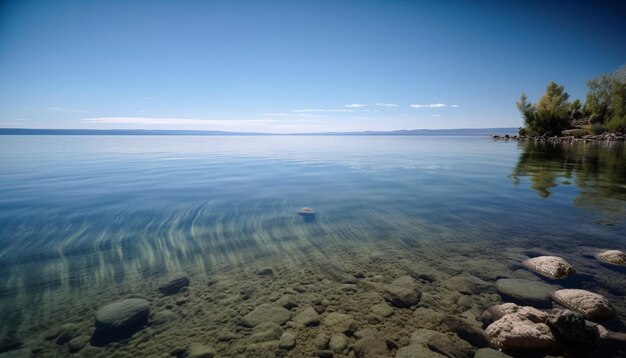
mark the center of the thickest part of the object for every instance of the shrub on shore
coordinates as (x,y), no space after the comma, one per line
(604,108)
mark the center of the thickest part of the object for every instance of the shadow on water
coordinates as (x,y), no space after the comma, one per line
(597,170)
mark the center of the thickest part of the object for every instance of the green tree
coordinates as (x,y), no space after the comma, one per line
(606,100)
(550,116)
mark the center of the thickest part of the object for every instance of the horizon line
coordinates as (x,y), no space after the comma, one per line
(86,131)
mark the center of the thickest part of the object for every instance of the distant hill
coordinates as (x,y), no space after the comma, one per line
(431,132)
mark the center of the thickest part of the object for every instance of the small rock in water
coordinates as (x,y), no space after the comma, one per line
(613,257)
(77,343)
(403,292)
(338,342)
(265,271)
(440,343)
(382,309)
(174,283)
(308,317)
(265,332)
(340,322)
(371,347)
(321,341)
(552,267)
(417,351)
(266,312)
(163,317)
(526,292)
(592,305)
(470,331)
(571,326)
(66,333)
(197,350)
(120,319)
(17,353)
(306,212)
(490,353)
(287,340)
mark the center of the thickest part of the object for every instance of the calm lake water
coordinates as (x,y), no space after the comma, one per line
(88,219)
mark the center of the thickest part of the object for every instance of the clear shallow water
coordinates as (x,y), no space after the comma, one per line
(87,215)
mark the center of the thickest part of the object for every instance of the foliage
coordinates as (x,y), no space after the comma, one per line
(604,107)
(550,116)
(598,128)
(606,100)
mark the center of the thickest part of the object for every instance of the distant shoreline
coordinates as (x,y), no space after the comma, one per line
(144,132)
(588,138)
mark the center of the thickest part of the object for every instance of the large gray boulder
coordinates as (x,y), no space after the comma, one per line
(552,267)
(403,292)
(125,314)
(592,305)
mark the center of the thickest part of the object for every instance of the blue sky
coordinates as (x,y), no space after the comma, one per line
(295,66)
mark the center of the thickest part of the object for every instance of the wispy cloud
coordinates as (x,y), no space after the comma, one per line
(70,110)
(355,105)
(436,115)
(455,106)
(433,105)
(177,121)
(321,110)
(386,104)
(290,115)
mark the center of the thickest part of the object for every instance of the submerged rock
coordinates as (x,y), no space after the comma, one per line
(287,340)
(174,284)
(371,347)
(526,292)
(382,309)
(517,331)
(77,343)
(306,212)
(66,333)
(440,343)
(266,331)
(266,312)
(197,350)
(338,342)
(265,271)
(308,317)
(552,267)
(592,305)
(321,341)
(466,284)
(340,322)
(17,353)
(490,353)
(417,351)
(613,257)
(120,319)
(470,331)
(403,292)
(571,326)
(123,314)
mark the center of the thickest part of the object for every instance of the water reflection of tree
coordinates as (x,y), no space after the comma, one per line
(597,169)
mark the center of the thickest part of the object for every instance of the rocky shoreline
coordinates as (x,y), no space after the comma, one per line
(376,304)
(577,138)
